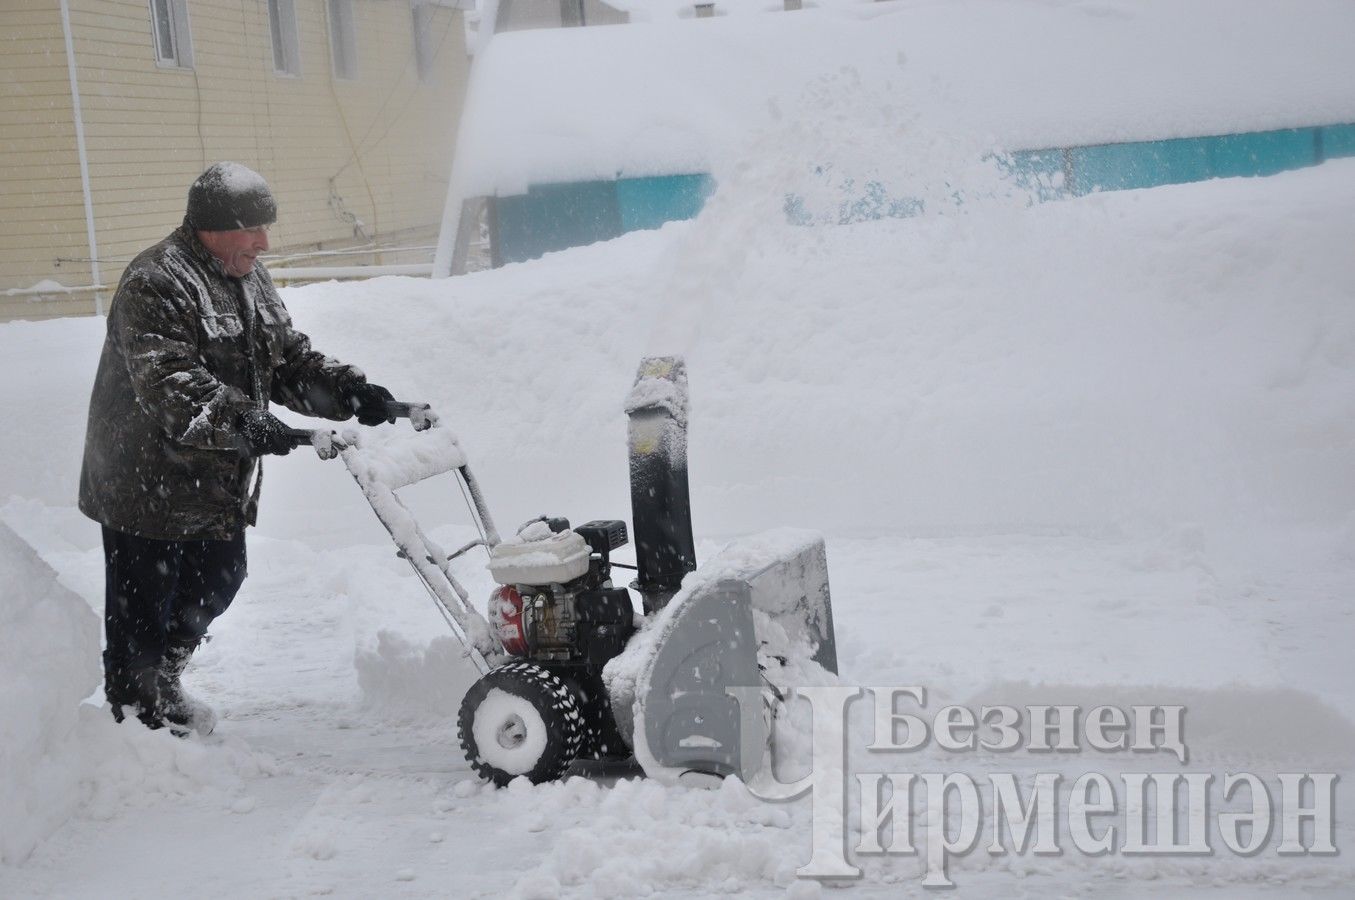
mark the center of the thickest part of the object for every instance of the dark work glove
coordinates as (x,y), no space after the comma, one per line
(263,433)
(368,402)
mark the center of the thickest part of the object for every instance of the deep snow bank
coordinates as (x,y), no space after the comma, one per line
(1185,354)
(49,662)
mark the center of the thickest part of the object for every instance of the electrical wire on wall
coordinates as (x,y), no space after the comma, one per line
(336,201)
(202,141)
(345,214)
(355,157)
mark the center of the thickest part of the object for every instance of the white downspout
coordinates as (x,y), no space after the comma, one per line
(84,161)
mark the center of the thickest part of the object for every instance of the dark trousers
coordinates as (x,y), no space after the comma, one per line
(161,593)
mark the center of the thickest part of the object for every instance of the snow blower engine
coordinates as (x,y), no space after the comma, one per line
(569,671)
(557,613)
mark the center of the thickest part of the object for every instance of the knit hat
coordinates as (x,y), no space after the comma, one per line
(229,196)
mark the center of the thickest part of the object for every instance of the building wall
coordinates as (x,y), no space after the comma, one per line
(41,206)
(349,160)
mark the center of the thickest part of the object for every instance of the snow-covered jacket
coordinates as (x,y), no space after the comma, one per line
(188,348)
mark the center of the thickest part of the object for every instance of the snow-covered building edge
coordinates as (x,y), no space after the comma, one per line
(546,164)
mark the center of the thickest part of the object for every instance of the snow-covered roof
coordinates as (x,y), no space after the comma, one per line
(672,95)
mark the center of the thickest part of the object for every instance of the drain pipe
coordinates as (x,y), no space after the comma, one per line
(84,160)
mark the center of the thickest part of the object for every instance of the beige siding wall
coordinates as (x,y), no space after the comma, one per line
(42,216)
(377,147)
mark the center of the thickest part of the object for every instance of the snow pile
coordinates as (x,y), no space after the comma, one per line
(639,838)
(1135,360)
(401,678)
(123,768)
(44,286)
(49,662)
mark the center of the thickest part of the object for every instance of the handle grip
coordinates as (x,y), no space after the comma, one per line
(326,443)
(420,415)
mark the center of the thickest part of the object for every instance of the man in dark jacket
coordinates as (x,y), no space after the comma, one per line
(198,343)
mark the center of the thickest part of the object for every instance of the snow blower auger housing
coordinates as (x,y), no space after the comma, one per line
(568,670)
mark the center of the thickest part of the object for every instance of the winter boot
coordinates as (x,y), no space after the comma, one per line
(180,707)
(135,691)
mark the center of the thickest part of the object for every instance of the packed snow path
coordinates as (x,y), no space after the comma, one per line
(314,785)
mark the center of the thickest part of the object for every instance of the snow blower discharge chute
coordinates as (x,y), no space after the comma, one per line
(568,671)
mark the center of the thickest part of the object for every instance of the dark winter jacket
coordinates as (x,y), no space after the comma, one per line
(188,348)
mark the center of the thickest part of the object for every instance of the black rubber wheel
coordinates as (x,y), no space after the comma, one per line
(520,719)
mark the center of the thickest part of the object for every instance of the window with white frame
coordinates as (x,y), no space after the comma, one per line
(286,45)
(425,41)
(169,25)
(343,45)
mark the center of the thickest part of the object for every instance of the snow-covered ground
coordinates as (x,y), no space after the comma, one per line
(1096,451)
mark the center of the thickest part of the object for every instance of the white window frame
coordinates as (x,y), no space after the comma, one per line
(173,14)
(343,41)
(284,38)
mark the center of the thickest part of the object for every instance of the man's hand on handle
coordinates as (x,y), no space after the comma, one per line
(368,402)
(264,433)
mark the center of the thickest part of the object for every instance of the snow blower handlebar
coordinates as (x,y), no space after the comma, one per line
(327,443)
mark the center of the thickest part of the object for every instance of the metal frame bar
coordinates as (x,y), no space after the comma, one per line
(433,567)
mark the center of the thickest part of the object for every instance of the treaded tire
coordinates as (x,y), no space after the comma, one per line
(520,719)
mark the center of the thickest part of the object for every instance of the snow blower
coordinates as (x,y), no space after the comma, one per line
(569,671)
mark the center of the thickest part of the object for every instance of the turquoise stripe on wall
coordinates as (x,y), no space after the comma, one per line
(553,217)
(1338,140)
(1144,164)
(557,216)
(650,202)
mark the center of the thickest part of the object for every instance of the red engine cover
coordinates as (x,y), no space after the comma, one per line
(505,615)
